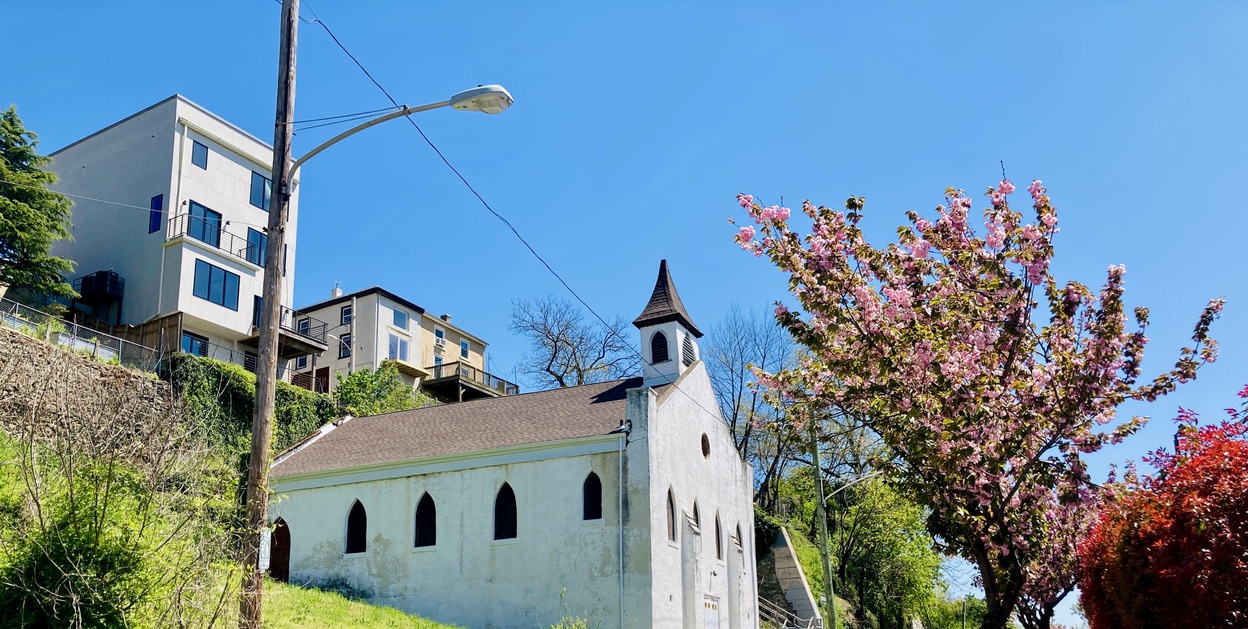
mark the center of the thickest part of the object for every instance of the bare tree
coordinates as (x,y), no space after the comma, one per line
(740,341)
(566,349)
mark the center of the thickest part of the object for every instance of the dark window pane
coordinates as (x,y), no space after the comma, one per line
(231,291)
(199,154)
(194,344)
(671,516)
(257,244)
(257,307)
(156,218)
(261,190)
(205,225)
(426,522)
(216,285)
(357,529)
(505,513)
(345,315)
(592,507)
(344,346)
(719,542)
(202,272)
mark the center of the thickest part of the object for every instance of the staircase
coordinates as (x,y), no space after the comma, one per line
(773,615)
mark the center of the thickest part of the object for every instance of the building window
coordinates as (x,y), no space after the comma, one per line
(156,217)
(257,311)
(357,529)
(250,361)
(344,346)
(204,225)
(344,317)
(398,348)
(592,498)
(740,540)
(257,246)
(706,446)
(697,518)
(439,333)
(658,348)
(463,349)
(719,539)
(194,344)
(261,190)
(686,352)
(301,362)
(671,516)
(505,513)
(216,285)
(426,522)
(304,326)
(199,154)
(400,319)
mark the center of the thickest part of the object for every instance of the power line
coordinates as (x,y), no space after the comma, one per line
(356,114)
(497,215)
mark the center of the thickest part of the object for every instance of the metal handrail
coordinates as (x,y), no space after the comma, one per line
(473,374)
(213,234)
(773,613)
(315,329)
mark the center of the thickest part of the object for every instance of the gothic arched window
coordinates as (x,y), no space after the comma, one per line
(426,522)
(658,348)
(505,513)
(686,351)
(592,498)
(719,539)
(697,518)
(671,516)
(357,529)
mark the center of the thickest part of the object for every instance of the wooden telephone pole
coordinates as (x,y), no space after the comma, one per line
(266,369)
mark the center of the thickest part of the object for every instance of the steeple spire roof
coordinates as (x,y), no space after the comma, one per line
(665,305)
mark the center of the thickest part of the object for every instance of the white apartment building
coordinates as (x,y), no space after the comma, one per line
(374,326)
(188,273)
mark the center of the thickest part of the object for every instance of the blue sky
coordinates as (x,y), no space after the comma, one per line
(636,125)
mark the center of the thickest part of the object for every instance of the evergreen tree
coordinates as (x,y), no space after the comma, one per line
(32,217)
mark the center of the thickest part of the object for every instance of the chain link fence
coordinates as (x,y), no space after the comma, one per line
(76,338)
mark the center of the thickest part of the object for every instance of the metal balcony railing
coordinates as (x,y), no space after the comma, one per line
(303,325)
(472,374)
(210,232)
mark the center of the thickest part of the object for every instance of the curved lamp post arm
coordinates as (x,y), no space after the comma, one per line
(405,111)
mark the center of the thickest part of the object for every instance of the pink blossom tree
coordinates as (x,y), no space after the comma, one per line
(986,378)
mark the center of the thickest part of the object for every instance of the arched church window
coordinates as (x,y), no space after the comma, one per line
(697,519)
(357,529)
(740,540)
(426,522)
(592,498)
(719,539)
(658,348)
(686,352)
(671,516)
(505,513)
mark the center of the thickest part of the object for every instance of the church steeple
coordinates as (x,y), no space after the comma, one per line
(668,334)
(665,305)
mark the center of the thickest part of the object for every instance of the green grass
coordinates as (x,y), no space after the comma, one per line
(290,607)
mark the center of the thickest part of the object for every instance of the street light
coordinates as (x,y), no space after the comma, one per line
(490,99)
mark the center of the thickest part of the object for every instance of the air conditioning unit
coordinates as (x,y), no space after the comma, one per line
(439,343)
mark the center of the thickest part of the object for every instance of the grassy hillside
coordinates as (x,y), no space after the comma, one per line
(290,607)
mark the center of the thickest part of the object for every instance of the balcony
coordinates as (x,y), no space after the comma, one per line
(298,334)
(209,232)
(460,382)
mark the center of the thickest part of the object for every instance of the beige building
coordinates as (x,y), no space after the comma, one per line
(374,326)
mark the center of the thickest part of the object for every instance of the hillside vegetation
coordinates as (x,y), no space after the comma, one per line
(120,495)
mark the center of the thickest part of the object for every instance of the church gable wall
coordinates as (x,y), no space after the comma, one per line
(690,581)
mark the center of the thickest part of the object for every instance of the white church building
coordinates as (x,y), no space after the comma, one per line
(622,502)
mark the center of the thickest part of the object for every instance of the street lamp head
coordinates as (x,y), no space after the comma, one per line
(490,99)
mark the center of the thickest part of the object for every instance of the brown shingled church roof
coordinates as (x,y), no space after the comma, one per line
(665,304)
(486,424)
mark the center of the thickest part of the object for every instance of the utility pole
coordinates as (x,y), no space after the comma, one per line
(266,370)
(829,592)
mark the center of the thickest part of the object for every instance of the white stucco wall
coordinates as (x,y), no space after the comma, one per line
(720,483)
(468,578)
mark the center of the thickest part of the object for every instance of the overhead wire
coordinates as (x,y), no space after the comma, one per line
(486,204)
